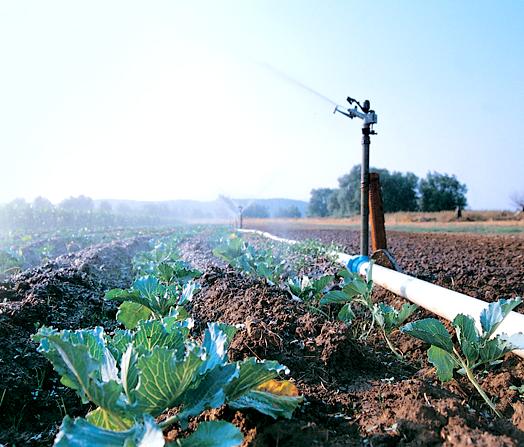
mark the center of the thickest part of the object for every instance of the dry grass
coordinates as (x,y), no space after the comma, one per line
(450,216)
(491,222)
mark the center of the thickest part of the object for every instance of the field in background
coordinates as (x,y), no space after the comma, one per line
(489,222)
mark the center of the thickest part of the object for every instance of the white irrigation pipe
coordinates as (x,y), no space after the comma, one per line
(439,300)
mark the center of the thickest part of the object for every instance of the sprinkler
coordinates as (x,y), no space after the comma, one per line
(369,117)
(240,216)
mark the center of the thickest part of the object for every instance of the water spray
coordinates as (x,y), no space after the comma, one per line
(369,117)
(240,216)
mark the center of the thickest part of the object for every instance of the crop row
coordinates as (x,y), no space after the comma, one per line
(153,372)
(466,351)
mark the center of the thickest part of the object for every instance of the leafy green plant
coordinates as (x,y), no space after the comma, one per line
(518,389)
(390,319)
(165,251)
(474,349)
(246,258)
(355,290)
(149,298)
(358,290)
(307,289)
(136,376)
(164,263)
(9,263)
(176,272)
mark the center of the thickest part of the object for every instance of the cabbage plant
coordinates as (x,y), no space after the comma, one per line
(358,290)
(133,377)
(246,258)
(474,349)
(307,289)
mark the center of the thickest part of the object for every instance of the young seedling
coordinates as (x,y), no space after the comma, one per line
(358,290)
(307,289)
(473,349)
(389,319)
(518,389)
(355,290)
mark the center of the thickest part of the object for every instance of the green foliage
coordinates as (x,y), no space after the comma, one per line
(439,192)
(155,364)
(474,348)
(389,318)
(150,297)
(75,213)
(177,271)
(81,433)
(355,290)
(212,434)
(146,433)
(288,211)
(308,289)
(431,331)
(256,210)
(399,192)
(518,389)
(345,201)
(246,258)
(162,367)
(358,290)
(318,203)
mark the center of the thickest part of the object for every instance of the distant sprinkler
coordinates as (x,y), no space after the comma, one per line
(240,216)
(369,117)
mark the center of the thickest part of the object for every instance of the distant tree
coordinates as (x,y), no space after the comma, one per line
(155,209)
(288,211)
(399,191)
(42,204)
(318,203)
(16,213)
(105,207)
(518,200)
(333,203)
(256,210)
(80,203)
(123,208)
(439,192)
(347,200)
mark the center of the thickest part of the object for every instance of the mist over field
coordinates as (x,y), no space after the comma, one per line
(179,101)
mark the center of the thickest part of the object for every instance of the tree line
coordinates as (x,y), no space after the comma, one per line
(400,192)
(74,213)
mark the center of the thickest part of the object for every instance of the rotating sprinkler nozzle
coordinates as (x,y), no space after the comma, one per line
(369,118)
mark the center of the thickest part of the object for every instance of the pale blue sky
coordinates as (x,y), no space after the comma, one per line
(165,100)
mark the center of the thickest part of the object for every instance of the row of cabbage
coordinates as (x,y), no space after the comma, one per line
(466,351)
(21,250)
(154,373)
